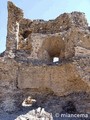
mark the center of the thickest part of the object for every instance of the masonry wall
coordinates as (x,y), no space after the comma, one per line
(42,40)
(61,79)
(14,16)
(30,48)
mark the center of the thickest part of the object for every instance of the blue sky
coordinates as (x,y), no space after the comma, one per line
(41,9)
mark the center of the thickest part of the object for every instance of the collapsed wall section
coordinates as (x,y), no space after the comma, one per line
(24,34)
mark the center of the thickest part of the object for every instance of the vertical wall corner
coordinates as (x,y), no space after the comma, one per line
(15,15)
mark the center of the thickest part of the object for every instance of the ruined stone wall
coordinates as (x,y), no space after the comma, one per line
(14,16)
(31,46)
(67,37)
(42,40)
(18,79)
(67,27)
(62,79)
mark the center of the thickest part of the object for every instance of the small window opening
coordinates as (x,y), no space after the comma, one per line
(55,60)
(26,33)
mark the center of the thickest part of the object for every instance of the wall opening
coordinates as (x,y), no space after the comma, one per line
(55,59)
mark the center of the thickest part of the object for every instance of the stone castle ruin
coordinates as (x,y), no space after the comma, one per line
(31,46)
